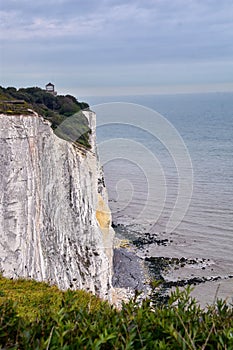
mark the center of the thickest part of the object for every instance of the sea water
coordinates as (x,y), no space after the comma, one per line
(205,124)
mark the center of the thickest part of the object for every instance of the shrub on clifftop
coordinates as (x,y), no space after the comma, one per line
(56,109)
(45,318)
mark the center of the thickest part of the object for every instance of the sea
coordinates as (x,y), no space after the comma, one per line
(168,164)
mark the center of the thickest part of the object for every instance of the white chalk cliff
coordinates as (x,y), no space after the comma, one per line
(55,224)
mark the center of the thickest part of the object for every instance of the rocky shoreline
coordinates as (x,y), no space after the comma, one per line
(135,269)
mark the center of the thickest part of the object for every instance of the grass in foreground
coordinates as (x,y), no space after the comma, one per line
(36,316)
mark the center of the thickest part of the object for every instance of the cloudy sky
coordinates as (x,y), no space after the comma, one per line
(104,47)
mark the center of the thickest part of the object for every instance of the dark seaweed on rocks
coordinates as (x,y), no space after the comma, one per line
(149,238)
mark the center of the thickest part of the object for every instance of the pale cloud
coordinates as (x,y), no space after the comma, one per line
(13,28)
(126,12)
(15,25)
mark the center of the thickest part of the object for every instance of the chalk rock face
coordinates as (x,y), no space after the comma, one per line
(55,224)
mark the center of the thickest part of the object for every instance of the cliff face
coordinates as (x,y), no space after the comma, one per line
(54,218)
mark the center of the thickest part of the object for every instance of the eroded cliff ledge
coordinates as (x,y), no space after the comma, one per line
(55,224)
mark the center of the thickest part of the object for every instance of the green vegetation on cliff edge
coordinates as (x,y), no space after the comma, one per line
(34,315)
(59,110)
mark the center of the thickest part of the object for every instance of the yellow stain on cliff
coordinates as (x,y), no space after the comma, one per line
(103,214)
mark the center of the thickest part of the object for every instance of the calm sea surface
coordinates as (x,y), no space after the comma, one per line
(205,123)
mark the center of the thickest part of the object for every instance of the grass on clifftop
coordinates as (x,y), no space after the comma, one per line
(57,109)
(36,316)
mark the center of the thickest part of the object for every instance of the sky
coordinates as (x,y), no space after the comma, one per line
(115,47)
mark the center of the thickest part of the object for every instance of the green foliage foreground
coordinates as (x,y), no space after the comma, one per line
(36,316)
